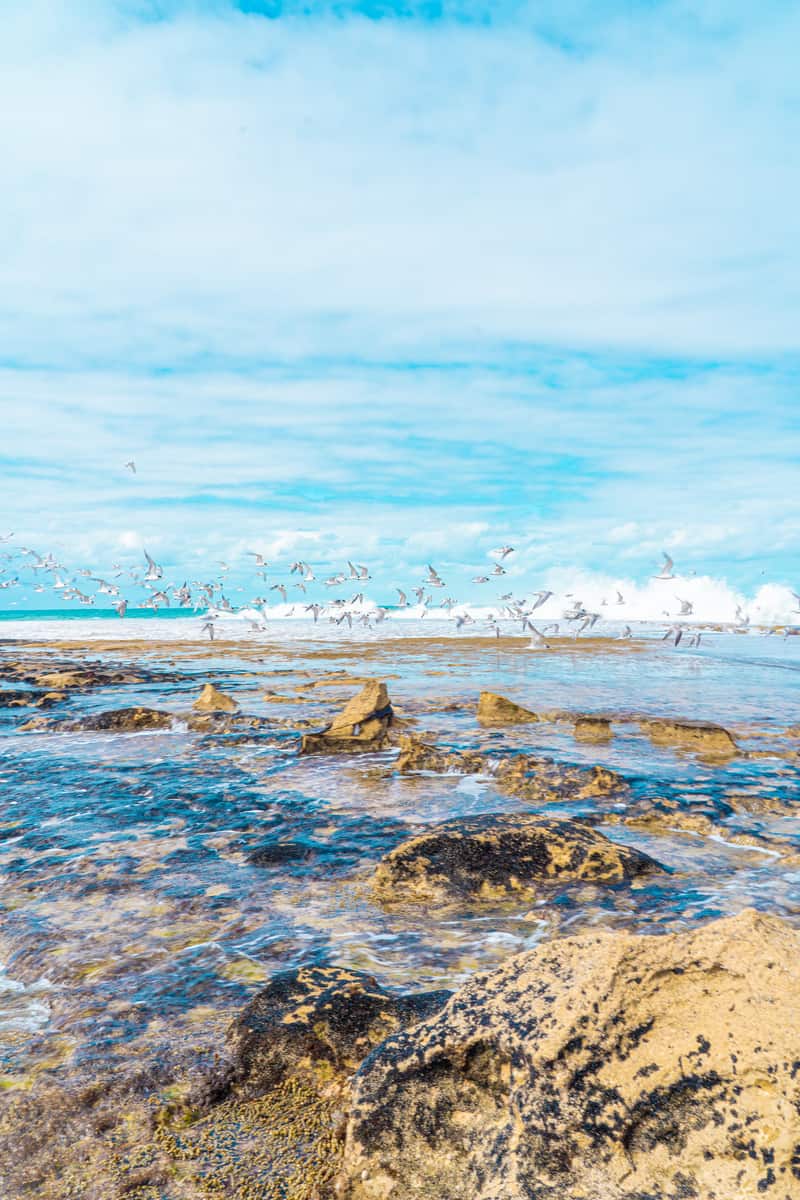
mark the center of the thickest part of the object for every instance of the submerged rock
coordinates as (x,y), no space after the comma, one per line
(416,755)
(497,710)
(362,725)
(593,729)
(212,700)
(600,1066)
(124,720)
(317,1024)
(707,739)
(499,855)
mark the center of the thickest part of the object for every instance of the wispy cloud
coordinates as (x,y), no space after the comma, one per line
(404,277)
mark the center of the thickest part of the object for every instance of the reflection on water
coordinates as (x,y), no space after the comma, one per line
(152,881)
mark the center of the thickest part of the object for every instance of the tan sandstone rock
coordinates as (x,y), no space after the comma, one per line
(599,1067)
(211,699)
(363,724)
(497,710)
(593,729)
(701,736)
(500,855)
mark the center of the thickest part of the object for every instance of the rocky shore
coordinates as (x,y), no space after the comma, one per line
(599,1065)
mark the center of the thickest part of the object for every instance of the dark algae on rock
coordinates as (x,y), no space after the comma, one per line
(606,1066)
(498,855)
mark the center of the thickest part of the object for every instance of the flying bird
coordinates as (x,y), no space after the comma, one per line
(154,571)
(666,570)
(131,466)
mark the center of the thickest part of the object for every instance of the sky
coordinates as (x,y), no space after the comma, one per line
(401,282)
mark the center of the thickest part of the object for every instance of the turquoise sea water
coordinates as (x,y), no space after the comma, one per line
(153,881)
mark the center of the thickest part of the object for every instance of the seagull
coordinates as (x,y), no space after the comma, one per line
(686,607)
(278,587)
(434,579)
(795,594)
(503,551)
(121,607)
(694,640)
(676,632)
(419,592)
(154,571)
(260,560)
(480,579)
(6,537)
(358,571)
(335,580)
(537,642)
(131,466)
(627,632)
(666,570)
(620,598)
(498,570)
(208,628)
(541,598)
(316,609)
(403,601)
(464,619)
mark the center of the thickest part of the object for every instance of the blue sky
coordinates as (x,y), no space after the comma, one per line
(401,281)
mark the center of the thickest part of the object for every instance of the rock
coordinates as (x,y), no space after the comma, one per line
(416,755)
(317,1024)
(275,854)
(543,781)
(707,739)
(212,700)
(498,855)
(605,1066)
(35,725)
(362,725)
(593,729)
(58,681)
(124,720)
(497,710)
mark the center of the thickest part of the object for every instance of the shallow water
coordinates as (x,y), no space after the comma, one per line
(134,923)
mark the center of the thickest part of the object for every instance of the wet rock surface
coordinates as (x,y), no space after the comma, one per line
(497,710)
(318,1024)
(700,736)
(123,720)
(604,1065)
(212,700)
(363,725)
(499,855)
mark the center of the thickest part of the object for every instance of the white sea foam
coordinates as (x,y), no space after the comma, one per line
(646,606)
(23,1007)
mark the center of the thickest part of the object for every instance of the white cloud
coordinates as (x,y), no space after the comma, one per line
(230,184)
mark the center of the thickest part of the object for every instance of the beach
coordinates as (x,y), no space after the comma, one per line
(163,864)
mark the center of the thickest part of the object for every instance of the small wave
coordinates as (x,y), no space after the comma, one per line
(23,1008)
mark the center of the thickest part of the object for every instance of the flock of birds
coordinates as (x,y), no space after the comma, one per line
(209,598)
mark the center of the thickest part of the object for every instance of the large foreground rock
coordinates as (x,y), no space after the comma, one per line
(362,725)
(599,1067)
(498,855)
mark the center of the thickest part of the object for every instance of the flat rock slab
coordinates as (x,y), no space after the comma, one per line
(700,736)
(500,855)
(123,720)
(600,1067)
